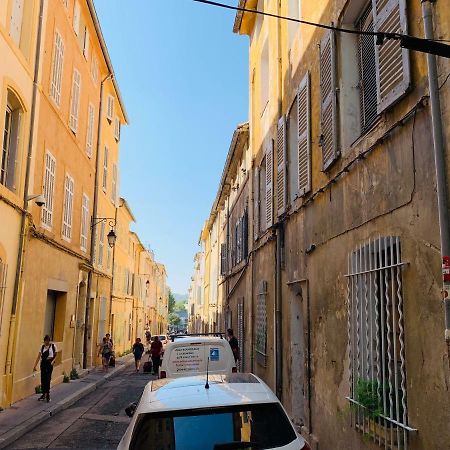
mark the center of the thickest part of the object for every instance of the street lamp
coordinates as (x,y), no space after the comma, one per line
(111,236)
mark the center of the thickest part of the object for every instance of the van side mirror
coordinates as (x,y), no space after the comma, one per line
(130,409)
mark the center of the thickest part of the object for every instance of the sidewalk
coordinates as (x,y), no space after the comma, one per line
(28,413)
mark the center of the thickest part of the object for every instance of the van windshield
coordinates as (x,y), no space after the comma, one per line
(238,427)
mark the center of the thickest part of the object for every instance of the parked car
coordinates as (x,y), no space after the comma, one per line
(163,339)
(238,411)
(192,355)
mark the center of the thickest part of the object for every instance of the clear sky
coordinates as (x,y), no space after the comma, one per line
(183,76)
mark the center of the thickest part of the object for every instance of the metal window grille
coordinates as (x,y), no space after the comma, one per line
(376,343)
(240,334)
(367,72)
(3,274)
(261,325)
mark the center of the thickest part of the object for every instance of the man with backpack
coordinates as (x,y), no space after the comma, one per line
(47,356)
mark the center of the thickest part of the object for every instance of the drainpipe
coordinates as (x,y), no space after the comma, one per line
(439,157)
(93,233)
(20,255)
(279,244)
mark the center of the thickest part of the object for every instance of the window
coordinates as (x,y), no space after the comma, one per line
(3,279)
(261,324)
(281,186)
(57,69)
(376,341)
(264,80)
(9,156)
(110,107)
(239,249)
(292,149)
(304,137)
(223,259)
(86,43)
(55,311)
(68,208)
(90,130)
(328,108)
(15,26)
(75,102)
(49,188)
(114,184)
(76,17)
(84,222)
(101,243)
(108,257)
(94,68)
(50,312)
(105,169)
(117,128)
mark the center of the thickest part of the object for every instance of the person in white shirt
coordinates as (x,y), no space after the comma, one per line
(47,356)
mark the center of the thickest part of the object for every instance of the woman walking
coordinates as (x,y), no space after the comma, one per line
(106,352)
(138,351)
(47,356)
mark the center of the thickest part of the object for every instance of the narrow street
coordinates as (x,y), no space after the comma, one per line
(97,421)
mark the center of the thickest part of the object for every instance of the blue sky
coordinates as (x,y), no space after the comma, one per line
(183,76)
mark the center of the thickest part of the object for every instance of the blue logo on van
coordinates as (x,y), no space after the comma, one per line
(214,354)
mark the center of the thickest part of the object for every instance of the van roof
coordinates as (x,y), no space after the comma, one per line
(198,340)
(190,392)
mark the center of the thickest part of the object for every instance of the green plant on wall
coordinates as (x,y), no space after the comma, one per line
(367,395)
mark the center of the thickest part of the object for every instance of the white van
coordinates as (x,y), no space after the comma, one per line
(189,356)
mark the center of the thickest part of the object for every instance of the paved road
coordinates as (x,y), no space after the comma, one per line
(97,421)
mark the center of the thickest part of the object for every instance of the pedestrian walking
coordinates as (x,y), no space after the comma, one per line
(47,355)
(112,358)
(234,344)
(138,351)
(155,350)
(105,351)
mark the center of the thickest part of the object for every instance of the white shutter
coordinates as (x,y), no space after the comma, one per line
(15,27)
(76,18)
(116,128)
(281,166)
(117,187)
(256,207)
(393,70)
(90,130)
(75,103)
(269,183)
(101,244)
(328,111)
(114,184)
(49,188)
(57,68)
(94,68)
(105,169)
(68,207)
(110,107)
(84,222)
(304,137)
(86,43)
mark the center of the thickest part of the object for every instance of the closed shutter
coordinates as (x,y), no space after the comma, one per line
(269,184)
(245,233)
(110,107)
(304,137)
(15,27)
(49,188)
(328,111)
(75,105)
(58,59)
(105,169)
(68,208)
(76,17)
(86,43)
(256,204)
(90,130)
(281,166)
(84,222)
(393,71)
(223,259)
(114,184)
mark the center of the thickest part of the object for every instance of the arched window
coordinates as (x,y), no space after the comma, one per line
(9,157)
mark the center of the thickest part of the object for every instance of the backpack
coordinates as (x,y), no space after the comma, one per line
(53,348)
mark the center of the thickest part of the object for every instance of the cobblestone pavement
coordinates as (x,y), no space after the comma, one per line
(97,421)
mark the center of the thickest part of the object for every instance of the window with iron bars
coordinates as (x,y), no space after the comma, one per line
(377,343)
(261,325)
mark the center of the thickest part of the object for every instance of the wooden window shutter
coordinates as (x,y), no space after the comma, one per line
(269,184)
(304,137)
(76,17)
(328,106)
(393,70)
(256,205)
(15,27)
(281,166)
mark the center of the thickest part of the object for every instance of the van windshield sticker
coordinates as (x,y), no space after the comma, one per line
(214,354)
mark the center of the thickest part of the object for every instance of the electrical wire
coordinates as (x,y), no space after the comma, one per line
(380,35)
